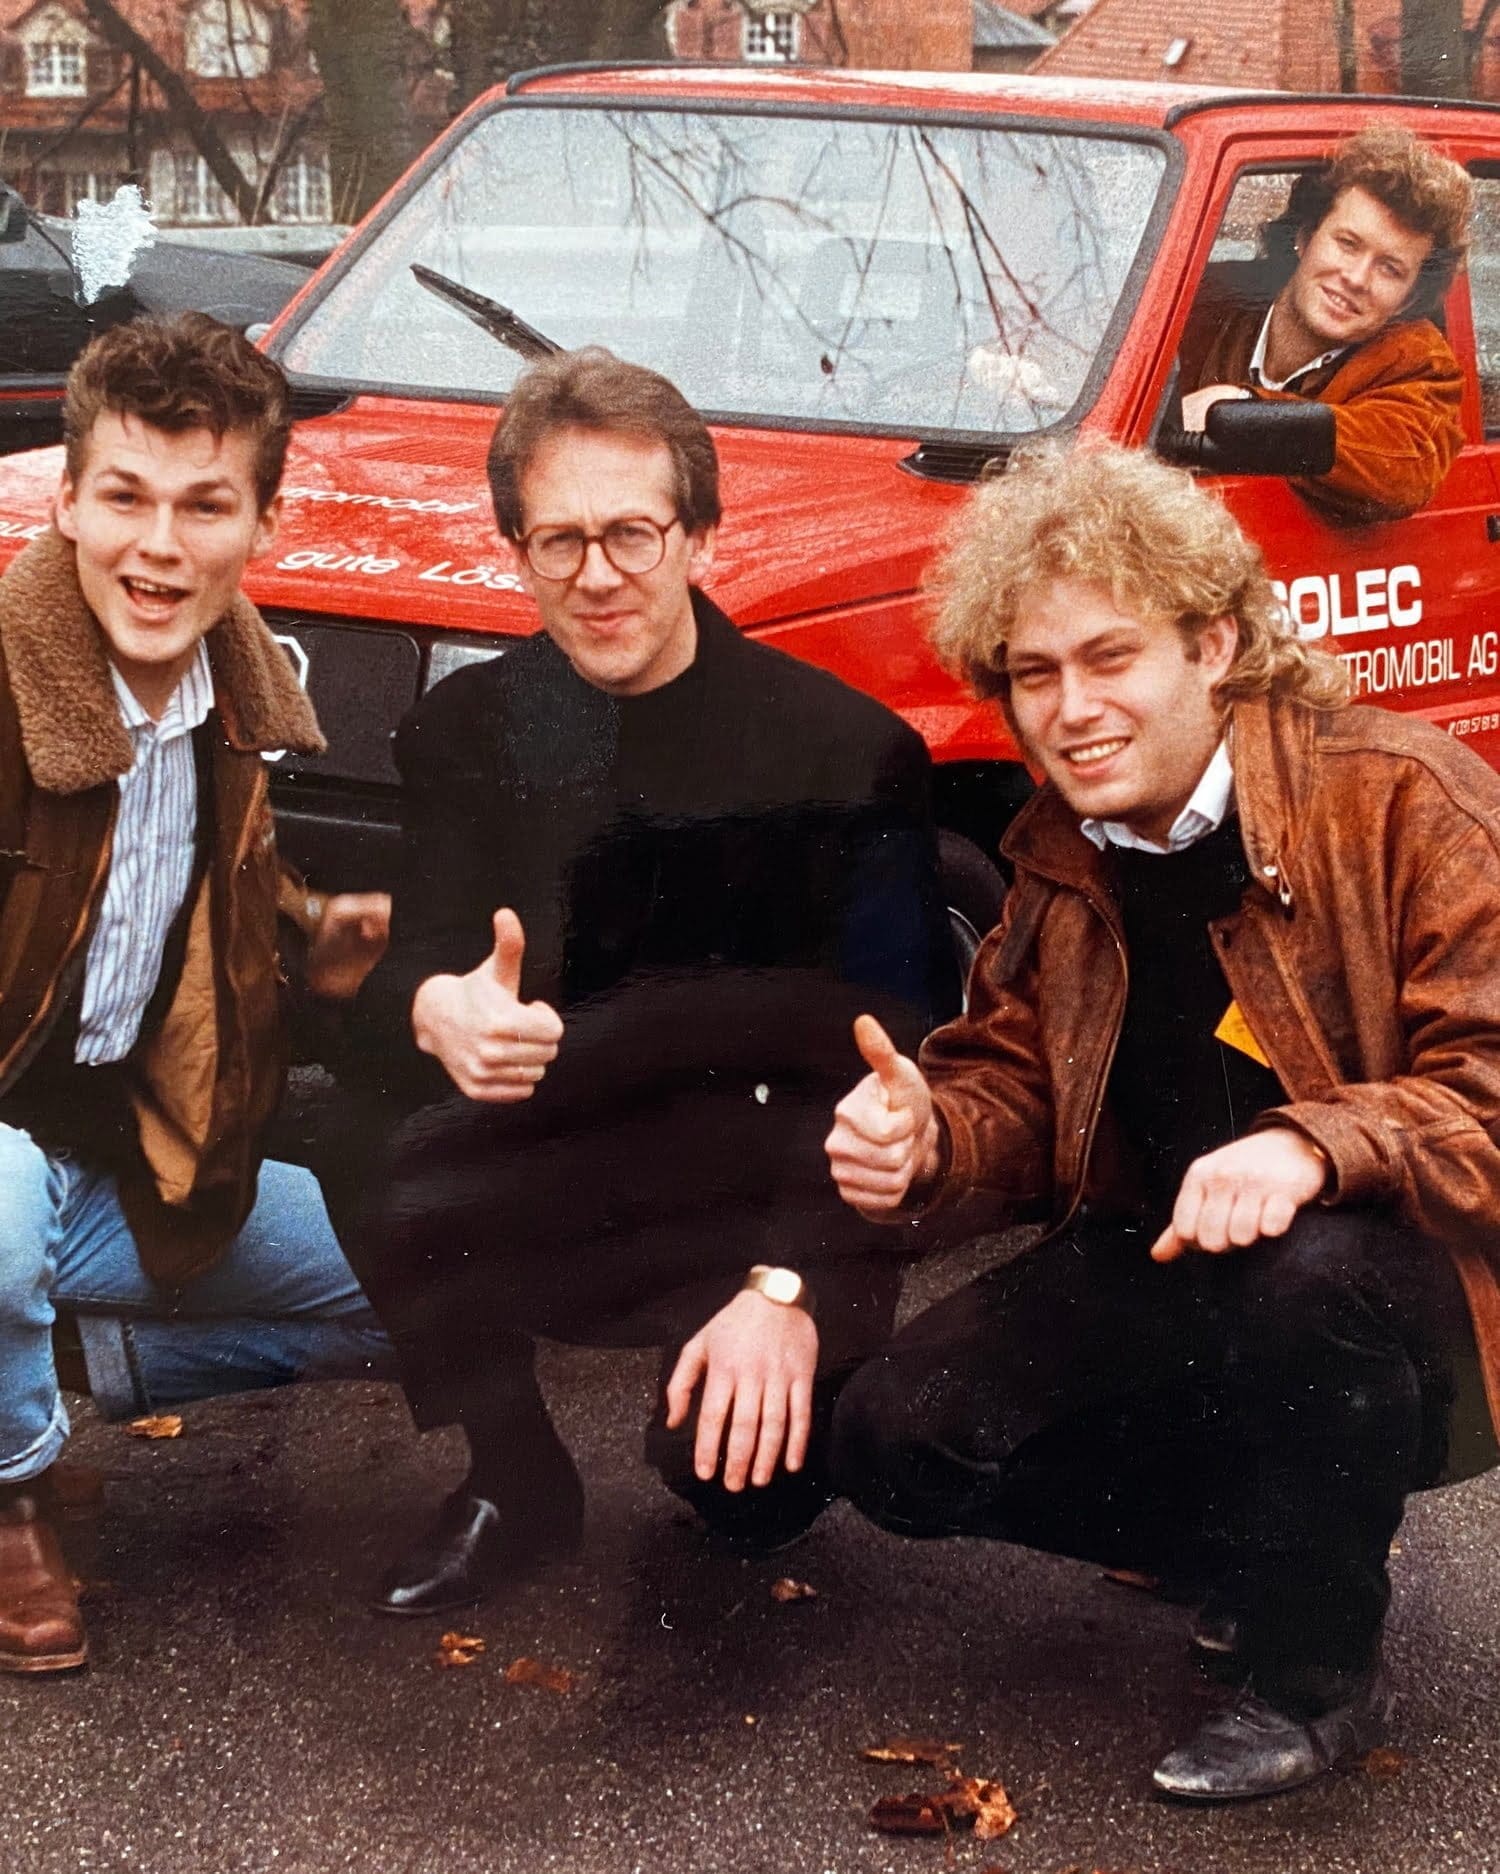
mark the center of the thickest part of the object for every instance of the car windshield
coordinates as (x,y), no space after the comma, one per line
(837,270)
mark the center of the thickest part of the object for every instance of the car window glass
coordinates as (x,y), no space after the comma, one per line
(1484,292)
(921,276)
(1258,200)
(41,326)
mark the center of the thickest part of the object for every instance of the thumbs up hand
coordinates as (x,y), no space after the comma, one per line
(494,1046)
(885,1135)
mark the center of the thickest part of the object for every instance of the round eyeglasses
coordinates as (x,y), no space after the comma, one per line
(637,544)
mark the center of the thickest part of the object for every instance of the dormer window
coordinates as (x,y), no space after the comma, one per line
(228,39)
(771,38)
(55,68)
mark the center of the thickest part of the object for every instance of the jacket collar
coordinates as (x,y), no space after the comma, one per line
(1273,753)
(59,675)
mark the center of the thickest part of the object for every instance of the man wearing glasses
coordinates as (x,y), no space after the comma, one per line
(651,871)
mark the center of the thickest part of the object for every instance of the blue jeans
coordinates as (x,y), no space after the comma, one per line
(281,1305)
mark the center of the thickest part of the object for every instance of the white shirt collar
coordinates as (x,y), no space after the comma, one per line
(1258,360)
(187,707)
(1204,813)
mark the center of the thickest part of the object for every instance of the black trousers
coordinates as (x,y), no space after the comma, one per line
(1248,1423)
(477,1232)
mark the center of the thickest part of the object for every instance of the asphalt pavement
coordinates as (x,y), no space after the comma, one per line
(243,1711)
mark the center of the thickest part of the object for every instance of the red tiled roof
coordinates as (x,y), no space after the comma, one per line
(1285,44)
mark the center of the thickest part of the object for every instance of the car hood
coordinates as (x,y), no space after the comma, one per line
(386,512)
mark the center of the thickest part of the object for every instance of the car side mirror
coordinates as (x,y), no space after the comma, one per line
(1245,436)
(13,218)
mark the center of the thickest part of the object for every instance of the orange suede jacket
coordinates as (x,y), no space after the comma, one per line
(1365,958)
(1396,401)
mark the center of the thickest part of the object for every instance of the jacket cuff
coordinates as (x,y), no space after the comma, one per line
(1358,1172)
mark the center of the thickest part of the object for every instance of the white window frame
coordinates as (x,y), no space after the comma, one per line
(56,68)
(227,44)
(302,191)
(771,38)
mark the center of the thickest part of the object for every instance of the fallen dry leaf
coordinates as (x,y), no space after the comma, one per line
(524,1671)
(788,1590)
(910,1815)
(459,1649)
(163,1425)
(968,1802)
(1382,1763)
(986,1802)
(931,1750)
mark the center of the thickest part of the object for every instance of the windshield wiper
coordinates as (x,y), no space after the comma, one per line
(488,314)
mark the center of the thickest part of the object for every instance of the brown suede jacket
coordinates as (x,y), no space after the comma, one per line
(1365,959)
(207,1081)
(1396,402)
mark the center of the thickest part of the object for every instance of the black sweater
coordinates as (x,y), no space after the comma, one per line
(713,878)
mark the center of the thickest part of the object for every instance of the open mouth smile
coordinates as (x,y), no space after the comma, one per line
(1094,754)
(151,595)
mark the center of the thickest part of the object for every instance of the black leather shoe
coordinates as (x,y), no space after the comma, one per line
(1252,1749)
(474,1547)
(1215,1628)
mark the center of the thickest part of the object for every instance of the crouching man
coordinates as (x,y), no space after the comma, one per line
(1236,1037)
(141,966)
(652,871)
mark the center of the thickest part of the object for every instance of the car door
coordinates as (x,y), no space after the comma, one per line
(1412,606)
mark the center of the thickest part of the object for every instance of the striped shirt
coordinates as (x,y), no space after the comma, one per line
(150,865)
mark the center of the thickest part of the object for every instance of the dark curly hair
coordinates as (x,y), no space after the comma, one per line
(180,372)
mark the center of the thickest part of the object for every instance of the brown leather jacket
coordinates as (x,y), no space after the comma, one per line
(205,1084)
(1396,401)
(1365,958)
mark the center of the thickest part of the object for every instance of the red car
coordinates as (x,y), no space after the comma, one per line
(874,285)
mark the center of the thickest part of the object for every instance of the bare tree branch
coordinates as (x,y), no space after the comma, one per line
(184,108)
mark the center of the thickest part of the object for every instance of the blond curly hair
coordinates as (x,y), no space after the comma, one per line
(1163,548)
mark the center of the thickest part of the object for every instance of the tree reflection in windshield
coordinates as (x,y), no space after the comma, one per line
(877,273)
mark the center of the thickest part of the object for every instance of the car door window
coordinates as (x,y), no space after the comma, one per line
(41,325)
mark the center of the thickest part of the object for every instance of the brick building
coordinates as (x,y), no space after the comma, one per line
(77,118)
(882,34)
(1288,45)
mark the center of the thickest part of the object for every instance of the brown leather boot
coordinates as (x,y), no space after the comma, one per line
(41,1629)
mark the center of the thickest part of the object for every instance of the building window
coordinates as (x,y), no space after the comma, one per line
(195,194)
(301,192)
(228,39)
(772,38)
(59,191)
(55,69)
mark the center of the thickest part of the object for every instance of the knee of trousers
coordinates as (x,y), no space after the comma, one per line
(26,1223)
(883,1442)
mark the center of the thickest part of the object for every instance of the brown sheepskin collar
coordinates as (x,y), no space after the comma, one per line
(59,675)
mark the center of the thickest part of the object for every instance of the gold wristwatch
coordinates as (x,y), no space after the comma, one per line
(783,1286)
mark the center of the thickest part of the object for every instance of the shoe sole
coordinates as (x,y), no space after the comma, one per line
(518,1572)
(44,1662)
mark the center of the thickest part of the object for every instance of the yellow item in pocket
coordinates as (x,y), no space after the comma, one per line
(1234,1031)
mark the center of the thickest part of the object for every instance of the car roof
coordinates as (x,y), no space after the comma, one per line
(1111,100)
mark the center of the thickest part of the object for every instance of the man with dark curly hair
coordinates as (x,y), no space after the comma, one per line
(1235,1040)
(1373,240)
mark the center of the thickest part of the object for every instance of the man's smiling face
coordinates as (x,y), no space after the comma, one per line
(1356,272)
(1119,714)
(163,523)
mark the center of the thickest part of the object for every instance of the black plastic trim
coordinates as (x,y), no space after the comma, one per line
(1090,127)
